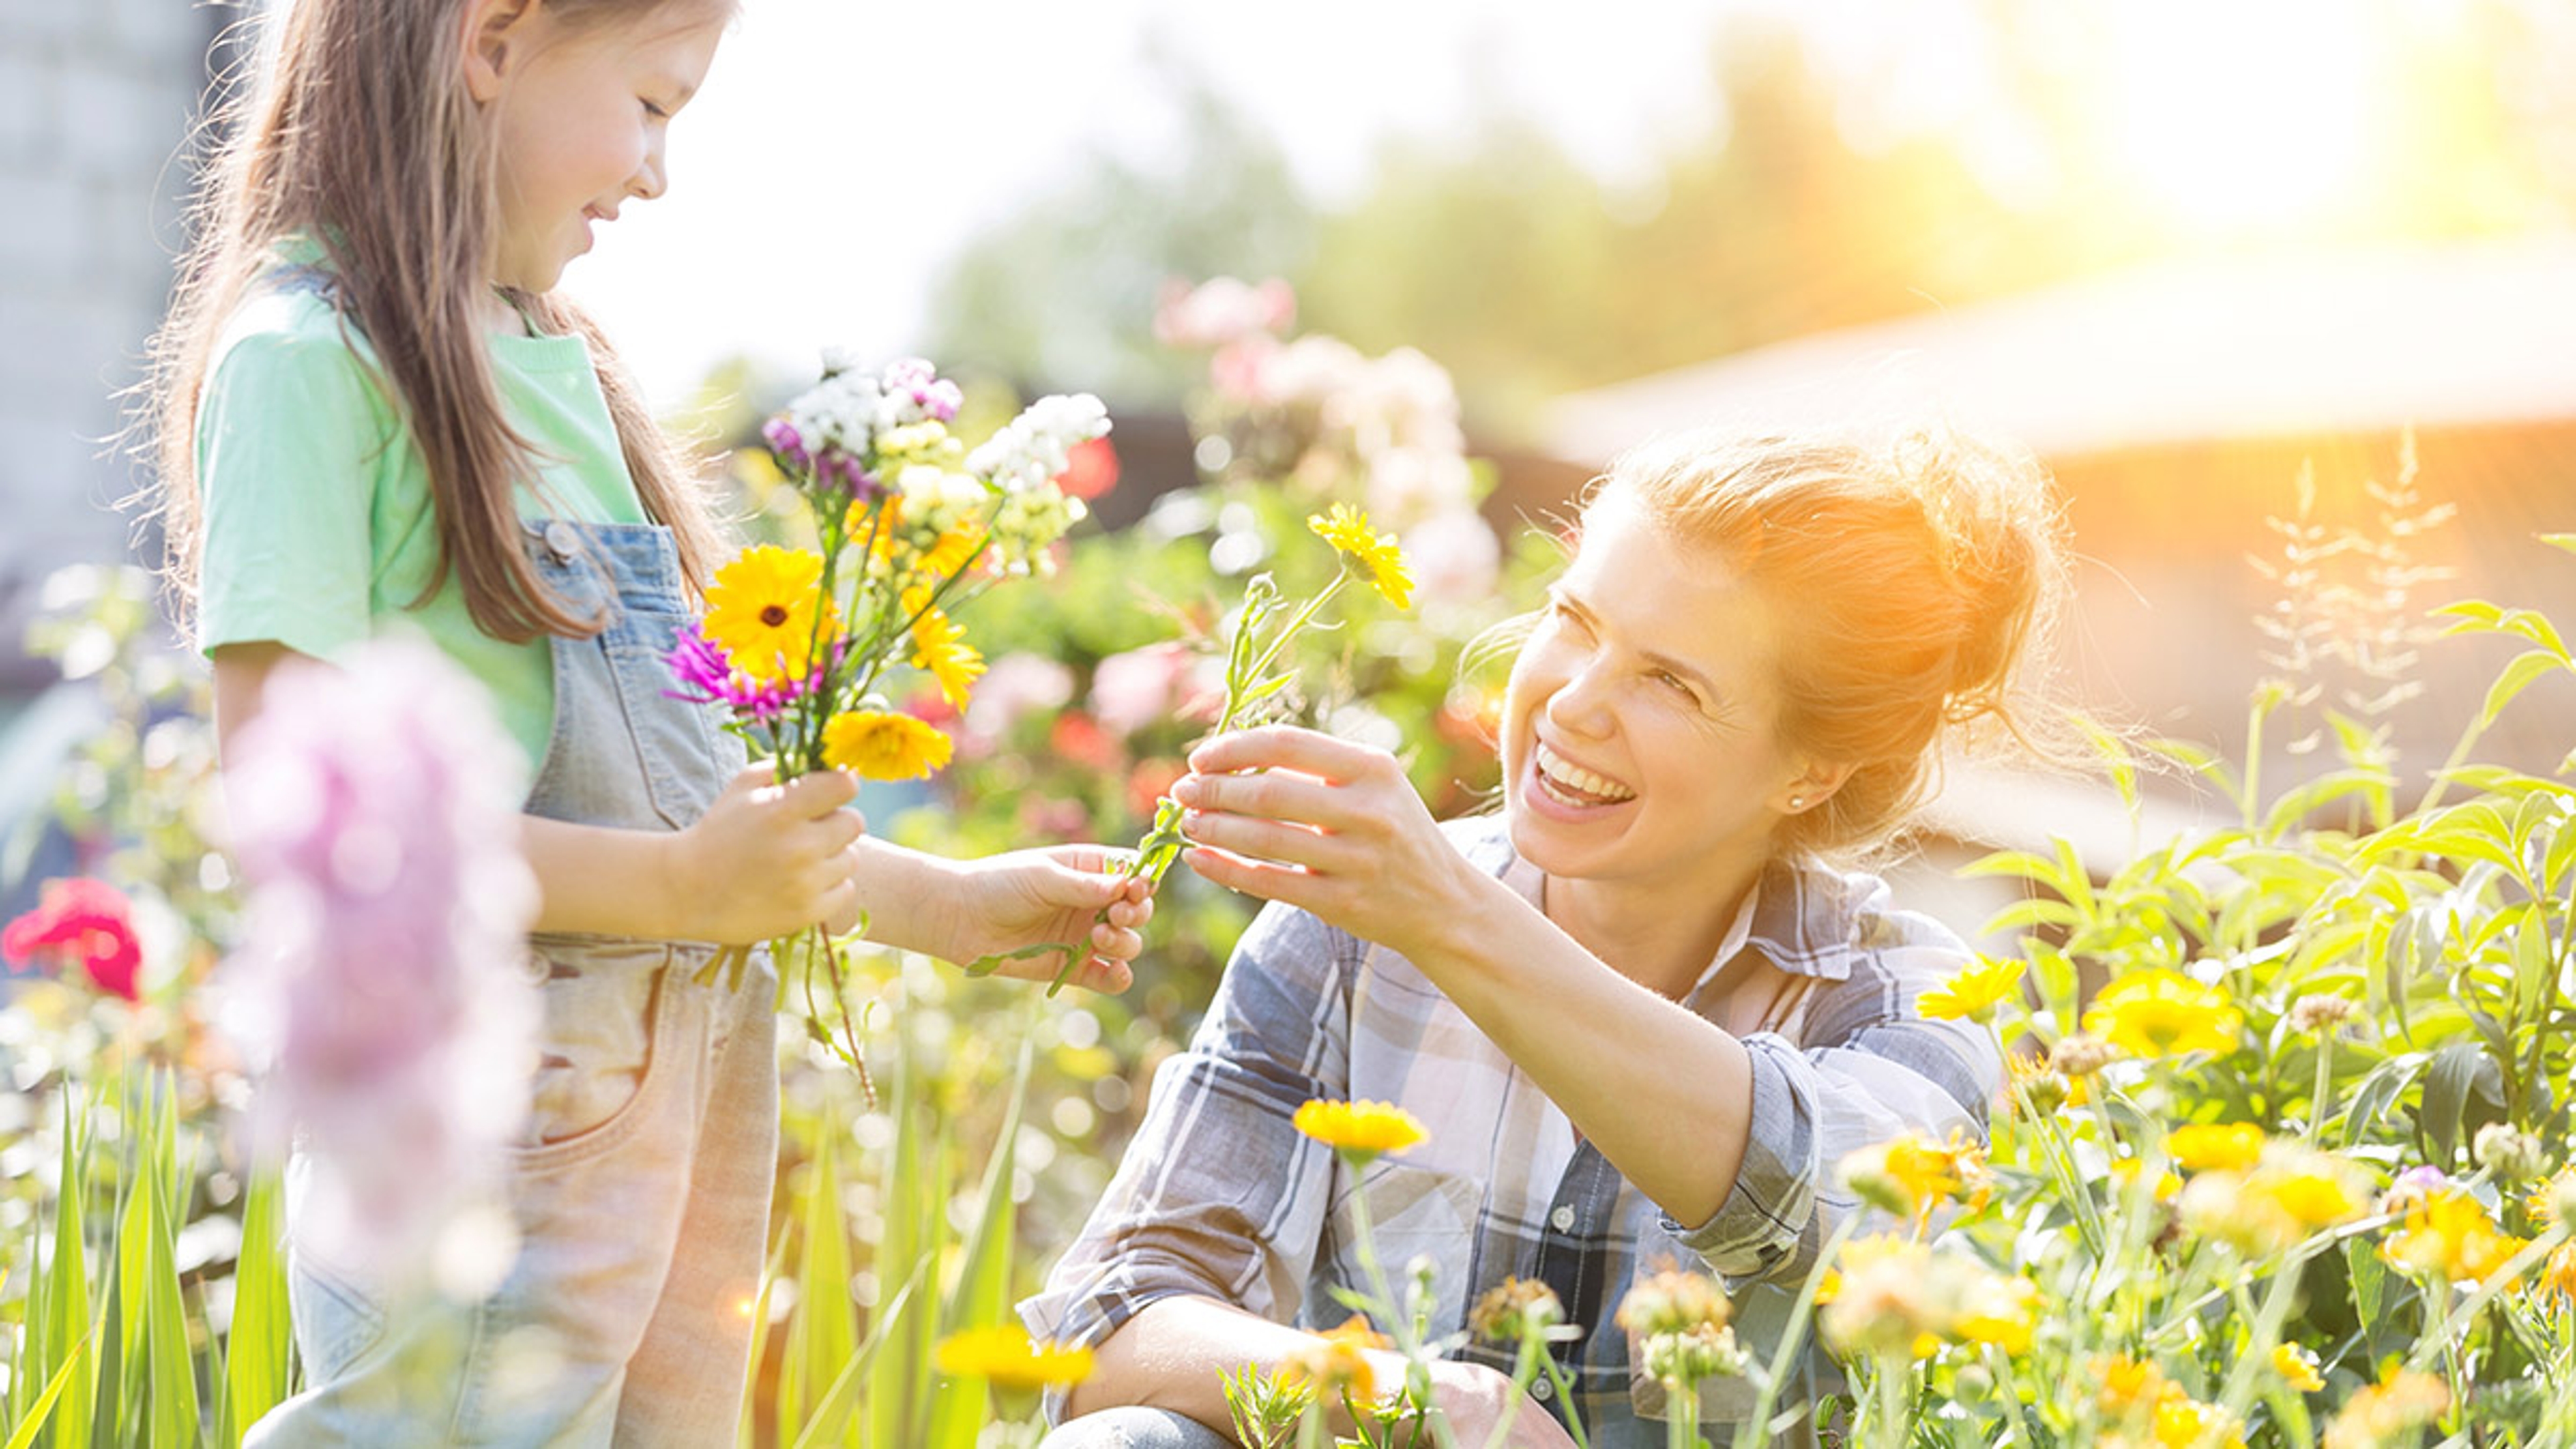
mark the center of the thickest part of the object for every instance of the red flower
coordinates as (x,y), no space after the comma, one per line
(1091,469)
(1079,739)
(79,920)
(1149,782)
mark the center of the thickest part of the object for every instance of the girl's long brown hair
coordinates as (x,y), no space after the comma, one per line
(361,136)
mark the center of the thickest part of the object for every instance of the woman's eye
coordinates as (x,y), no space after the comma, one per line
(656,112)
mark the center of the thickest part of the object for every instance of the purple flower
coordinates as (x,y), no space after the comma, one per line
(786,442)
(707,676)
(2424,1178)
(839,469)
(381,981)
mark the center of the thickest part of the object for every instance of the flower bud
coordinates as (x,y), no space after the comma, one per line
(2512,1155)
(2082,1054)
(2319,1012)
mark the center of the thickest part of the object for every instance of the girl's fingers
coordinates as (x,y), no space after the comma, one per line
(824,790)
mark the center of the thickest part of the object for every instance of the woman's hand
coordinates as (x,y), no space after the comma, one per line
(1002,903)
(767,859)
(1328,826)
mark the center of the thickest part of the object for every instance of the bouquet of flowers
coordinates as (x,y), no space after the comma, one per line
(797,643)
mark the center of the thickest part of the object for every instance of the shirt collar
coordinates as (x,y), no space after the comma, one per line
(1798,916)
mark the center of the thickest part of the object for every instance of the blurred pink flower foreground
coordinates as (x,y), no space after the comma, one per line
(375,820)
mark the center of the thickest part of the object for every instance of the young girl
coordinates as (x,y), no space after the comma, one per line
(373,411)
(1640,1014)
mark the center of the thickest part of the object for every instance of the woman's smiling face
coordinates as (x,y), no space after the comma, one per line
(1640,734)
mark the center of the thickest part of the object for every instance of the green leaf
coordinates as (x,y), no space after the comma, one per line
(2458,1072)
(41,1411)
(825,1330)
(832,1411)
(2516,677)
(982,1294)
(260,1340)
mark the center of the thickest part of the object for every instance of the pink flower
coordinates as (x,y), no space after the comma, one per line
(1015,686)
(1222,310)
(1455,556)
(88,921)
(381,981)
(1134,690)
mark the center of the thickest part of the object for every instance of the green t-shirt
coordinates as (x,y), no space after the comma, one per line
(319,527)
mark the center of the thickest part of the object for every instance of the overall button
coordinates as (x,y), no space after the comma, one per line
(1543,1388)
(563,539)
(1562,1219)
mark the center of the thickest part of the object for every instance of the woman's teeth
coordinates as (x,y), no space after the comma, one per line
(1577,785)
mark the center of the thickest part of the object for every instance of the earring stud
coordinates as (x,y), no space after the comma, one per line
(1797,802)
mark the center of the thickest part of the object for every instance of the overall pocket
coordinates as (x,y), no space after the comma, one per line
(601,1050)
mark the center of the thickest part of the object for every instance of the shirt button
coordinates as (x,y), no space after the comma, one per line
(1562,1219)
(1544,1389)
(562,539)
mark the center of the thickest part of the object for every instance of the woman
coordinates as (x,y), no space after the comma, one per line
(1640,1015)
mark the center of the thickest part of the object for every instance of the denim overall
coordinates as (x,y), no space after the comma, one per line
(640,1187)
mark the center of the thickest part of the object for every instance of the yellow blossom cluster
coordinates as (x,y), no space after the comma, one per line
(1892,1297)
(1910,1175)
(2284,1194)
(2140,1407)
(2450,1235)
(2388,1413)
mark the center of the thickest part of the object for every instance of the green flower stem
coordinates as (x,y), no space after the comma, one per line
(1245,674)
(2246,1377)
(2324,1091)
(1565,1395)
(1888,1431)
(1681,1413)
(2438,1335)
(1778,1373)
(1417,1375)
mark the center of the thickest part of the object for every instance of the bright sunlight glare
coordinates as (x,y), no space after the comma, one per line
(2240,116)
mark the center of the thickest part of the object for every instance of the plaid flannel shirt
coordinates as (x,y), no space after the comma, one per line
(1219,1195)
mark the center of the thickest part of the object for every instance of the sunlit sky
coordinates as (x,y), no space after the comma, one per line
(842,151)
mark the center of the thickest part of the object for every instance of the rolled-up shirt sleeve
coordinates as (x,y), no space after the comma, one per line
(1873,1069)
(1219,1194)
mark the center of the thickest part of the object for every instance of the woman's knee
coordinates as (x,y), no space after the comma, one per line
(1135,1427)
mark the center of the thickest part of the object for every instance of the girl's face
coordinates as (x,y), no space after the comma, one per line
(1639,736)
(579,115)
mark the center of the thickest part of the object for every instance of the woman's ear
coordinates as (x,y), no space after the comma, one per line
(496,31)
(1811,786)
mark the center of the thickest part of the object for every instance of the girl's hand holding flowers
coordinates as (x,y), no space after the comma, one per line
(769,859)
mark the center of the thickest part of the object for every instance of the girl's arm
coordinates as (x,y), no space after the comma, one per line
(765,860)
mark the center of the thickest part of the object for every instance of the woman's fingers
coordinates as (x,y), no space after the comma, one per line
(1277,746)
(1254,837)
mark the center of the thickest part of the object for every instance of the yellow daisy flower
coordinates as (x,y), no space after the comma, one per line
(762,608)
(2160,1013)
(1347,528)
(1975,991)
(1360,1130)
(877,745)
(1337,1360)
(940,646)
(1006,1355)
(2297,1368)
(2219,1146)
(2450,1235)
